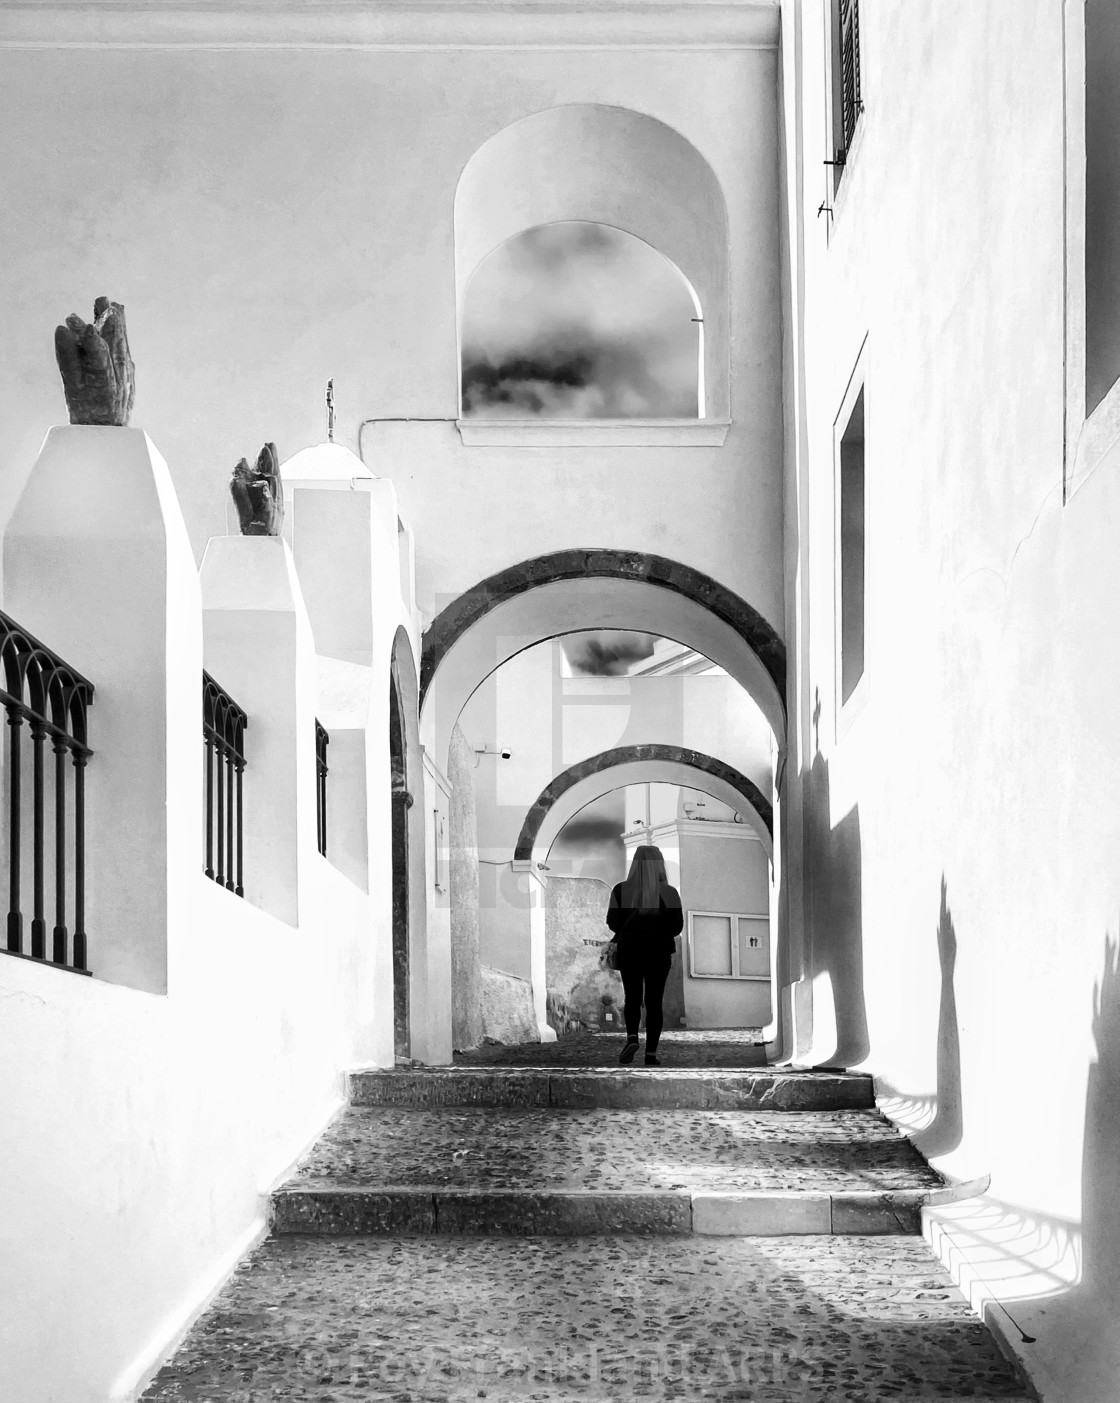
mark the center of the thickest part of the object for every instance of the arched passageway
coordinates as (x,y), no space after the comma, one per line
(716,875)
(593,589)
(568,591)
(580,784)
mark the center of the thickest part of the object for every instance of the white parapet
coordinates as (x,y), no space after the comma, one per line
(98,565)
(258,646)
(345,533)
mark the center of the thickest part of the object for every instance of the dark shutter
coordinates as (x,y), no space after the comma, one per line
(849,70)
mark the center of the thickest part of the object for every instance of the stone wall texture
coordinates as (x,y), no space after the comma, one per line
(506,1008)
(466,969)
(575,908)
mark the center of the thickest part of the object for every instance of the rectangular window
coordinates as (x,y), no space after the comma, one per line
(727,945)
(851,514)
(1102,200)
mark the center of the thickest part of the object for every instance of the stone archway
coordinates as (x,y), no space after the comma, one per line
(666,763)
(581,784)
(450,625)
(572,590)
(566,591)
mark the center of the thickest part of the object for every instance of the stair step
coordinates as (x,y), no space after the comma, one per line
(354,1209)
(396,1212)
(534,1170)
(635,1088)
(704,1048)
(578,1320)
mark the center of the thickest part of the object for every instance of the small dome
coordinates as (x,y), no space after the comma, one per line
(325,462)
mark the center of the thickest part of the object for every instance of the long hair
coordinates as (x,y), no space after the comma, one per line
(641,891)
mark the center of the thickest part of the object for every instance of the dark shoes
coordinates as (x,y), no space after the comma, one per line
(630,1051)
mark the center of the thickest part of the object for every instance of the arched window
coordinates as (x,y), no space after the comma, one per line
(580,320)
(594,188)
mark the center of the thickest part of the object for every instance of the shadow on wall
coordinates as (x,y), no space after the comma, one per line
(1073,1334)
(836,896)
(1100,1162)
(944,1132)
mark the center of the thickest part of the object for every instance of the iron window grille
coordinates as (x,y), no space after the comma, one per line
(322,740)
(47,694)
(223,731)
(848,102)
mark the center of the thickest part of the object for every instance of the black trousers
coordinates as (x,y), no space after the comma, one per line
(645,977)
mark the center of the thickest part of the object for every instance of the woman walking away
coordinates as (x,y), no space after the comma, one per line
(644,913)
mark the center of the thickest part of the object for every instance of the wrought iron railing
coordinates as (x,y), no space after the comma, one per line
(322,740)
(44,692)
(223,730)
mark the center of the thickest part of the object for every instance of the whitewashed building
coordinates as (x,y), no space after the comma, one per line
(889,521)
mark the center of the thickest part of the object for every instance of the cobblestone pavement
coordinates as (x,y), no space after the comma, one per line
(423,1320)
(716,1047)
(489,1311)
(616,1150)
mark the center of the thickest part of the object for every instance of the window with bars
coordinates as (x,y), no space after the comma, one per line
(223,732)
(847,104)
(47,696)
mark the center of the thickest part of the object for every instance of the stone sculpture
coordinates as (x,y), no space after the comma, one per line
(97,371)
(258,495)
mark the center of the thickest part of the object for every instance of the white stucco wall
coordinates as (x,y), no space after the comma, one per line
(963,835)
(146,1119)
(208,1048)
(271,217)
(728,873)
(280,216)
(144,1133)
(342,524)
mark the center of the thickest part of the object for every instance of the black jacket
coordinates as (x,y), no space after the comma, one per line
(641,934)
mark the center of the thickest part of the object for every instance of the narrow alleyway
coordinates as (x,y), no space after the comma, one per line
(572,1229)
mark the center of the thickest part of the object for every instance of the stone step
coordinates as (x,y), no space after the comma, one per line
(536,1170)
(564,1320)
(630,1087)
(359,1210)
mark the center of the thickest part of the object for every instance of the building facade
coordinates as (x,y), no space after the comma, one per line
(889,524)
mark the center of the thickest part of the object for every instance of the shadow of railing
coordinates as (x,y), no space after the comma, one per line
(935,1120)
(1051,1284)
(835,868)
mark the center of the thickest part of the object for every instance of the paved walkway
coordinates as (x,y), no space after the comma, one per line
(718,1047)
(467,1234)
(616,1151)
(429,1320)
